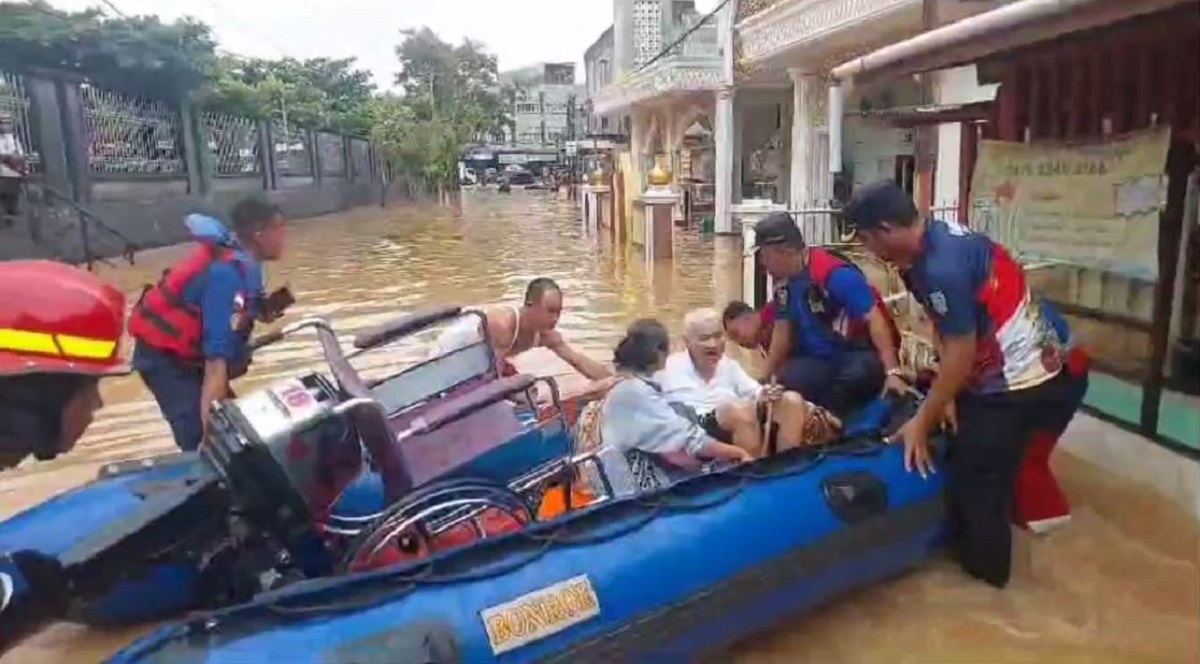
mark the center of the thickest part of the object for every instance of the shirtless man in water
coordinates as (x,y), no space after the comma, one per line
(513,330)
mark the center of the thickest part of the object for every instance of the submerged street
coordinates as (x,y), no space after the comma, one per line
(1116,585)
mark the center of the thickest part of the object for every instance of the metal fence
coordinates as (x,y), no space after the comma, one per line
(130,135)
(233,143)
(293,154)
(14,103)
(333,159)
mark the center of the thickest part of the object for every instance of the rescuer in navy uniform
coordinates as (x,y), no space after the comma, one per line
(1002,367)
(834,340)
(60,334)
(192,329)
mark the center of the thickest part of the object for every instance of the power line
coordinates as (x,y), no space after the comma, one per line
(687,33)
(114,8)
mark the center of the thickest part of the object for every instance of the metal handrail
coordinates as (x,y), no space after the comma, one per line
(87,217)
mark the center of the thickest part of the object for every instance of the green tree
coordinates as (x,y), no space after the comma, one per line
(140,56)
(451,98)
(318,93)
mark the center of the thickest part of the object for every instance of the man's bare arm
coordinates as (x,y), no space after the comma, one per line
(590,368)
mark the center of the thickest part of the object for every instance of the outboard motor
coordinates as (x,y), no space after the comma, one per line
(248,512)
(285,454)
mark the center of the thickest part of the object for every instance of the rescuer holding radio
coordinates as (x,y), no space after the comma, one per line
(192,329)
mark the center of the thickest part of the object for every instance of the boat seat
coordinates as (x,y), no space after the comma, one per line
(535,446)
(496,443)
(405,395)
(370,424)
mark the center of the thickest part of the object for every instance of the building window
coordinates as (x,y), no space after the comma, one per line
(647,31)
(603,124)
(527,108)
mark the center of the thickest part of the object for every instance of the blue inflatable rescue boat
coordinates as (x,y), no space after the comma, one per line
(405,519)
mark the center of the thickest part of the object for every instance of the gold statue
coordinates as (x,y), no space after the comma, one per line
(659,176)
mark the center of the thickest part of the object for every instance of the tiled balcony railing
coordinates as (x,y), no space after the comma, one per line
(693,64)
(769,27)
(748,8)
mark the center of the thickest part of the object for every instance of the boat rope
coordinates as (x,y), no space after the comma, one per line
(656,504)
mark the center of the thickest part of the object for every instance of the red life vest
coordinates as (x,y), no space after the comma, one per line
(821,265)
(766,326)
(163,320)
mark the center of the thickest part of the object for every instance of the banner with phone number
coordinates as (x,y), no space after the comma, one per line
(1092,204)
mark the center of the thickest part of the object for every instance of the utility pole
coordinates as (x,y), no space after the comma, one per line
(574,156)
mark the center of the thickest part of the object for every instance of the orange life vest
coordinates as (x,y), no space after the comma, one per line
(164,320)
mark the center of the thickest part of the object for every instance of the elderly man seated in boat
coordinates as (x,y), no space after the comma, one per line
(729,405)
(635,415)
(515,329)
(638,425)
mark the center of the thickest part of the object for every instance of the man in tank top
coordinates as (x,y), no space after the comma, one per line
(513,330)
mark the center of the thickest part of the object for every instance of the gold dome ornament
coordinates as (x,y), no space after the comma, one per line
(659,176)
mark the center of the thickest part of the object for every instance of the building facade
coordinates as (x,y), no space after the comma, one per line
(599,62)
(547,105)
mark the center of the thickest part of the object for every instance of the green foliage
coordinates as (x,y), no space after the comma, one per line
(321,92)
(139,56)
(144,57)
(451,94)
(451,98)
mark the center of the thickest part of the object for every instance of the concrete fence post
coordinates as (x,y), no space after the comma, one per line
(45,119)
(266,155)
(197,162)
(75,138)
(314,155)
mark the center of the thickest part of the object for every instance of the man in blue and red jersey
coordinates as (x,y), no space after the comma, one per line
(1000,366)
(192,329)
(833,340)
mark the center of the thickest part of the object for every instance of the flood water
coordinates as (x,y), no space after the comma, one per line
(1119,584)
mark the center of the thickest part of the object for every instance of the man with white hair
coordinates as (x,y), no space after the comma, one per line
(725,401)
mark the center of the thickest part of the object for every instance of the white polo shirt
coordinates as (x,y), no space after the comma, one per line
(681,383)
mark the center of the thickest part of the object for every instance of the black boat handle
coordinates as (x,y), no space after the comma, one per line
(405,325)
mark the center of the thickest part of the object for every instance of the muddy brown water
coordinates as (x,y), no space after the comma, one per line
(1119,584)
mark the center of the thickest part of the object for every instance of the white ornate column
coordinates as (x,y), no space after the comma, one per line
(801,174)
(724,137)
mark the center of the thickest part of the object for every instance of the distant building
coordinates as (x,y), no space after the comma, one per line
(641,30)
(545,98)
(600,63)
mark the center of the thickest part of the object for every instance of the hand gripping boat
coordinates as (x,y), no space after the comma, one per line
(663,575)
(149,539)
